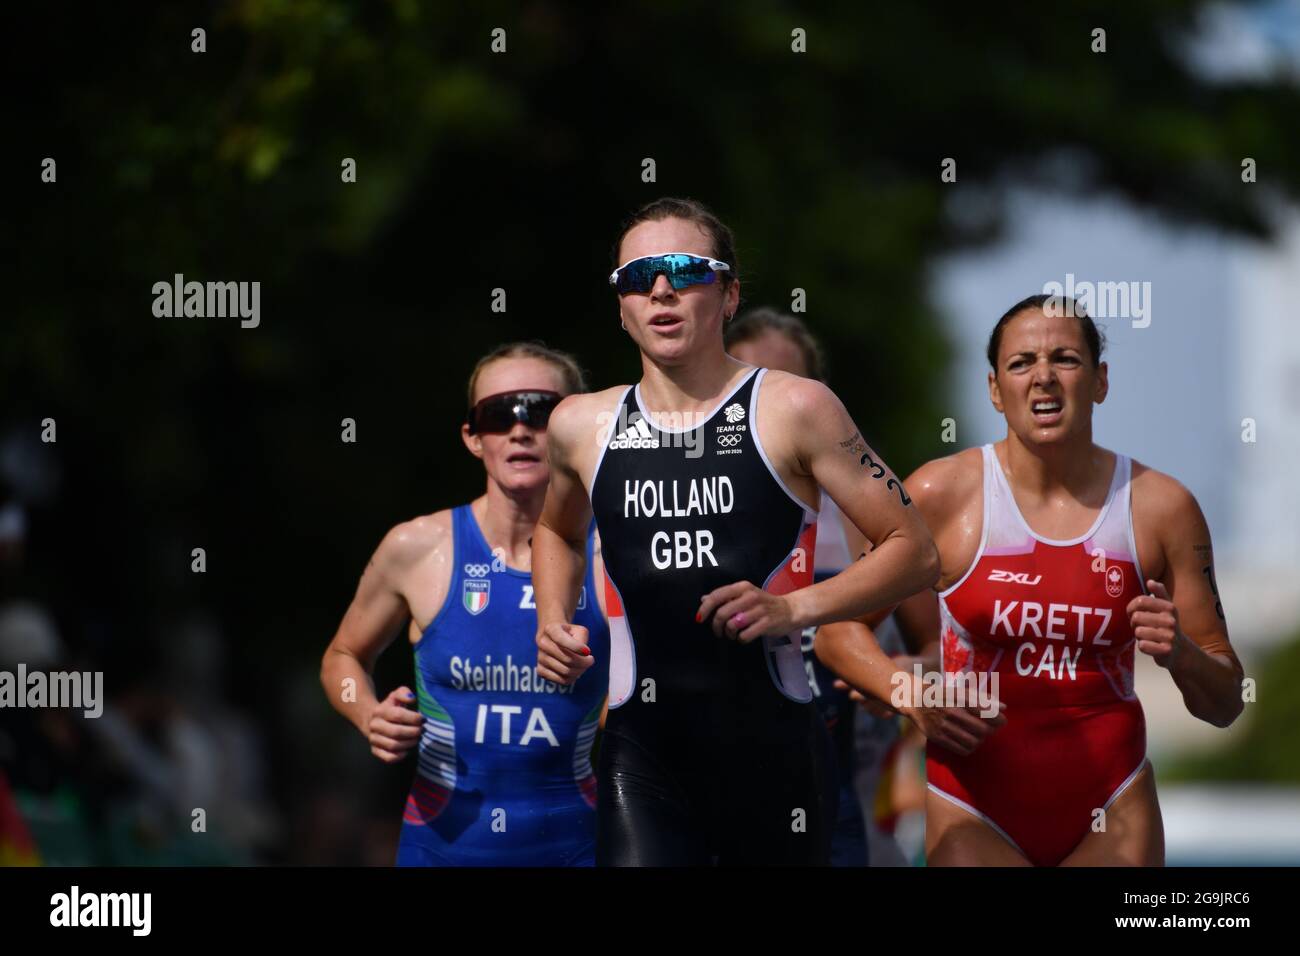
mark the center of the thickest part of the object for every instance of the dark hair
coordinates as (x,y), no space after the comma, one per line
(563,361)
(724,244)
(1060,305)
(755,322)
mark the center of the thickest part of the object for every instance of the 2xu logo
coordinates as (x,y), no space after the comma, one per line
(1014,577)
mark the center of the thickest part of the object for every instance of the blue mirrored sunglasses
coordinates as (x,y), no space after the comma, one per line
(682,269)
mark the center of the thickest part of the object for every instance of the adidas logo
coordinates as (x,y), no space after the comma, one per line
(638,436)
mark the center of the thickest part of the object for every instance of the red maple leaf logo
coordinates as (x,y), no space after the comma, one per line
(956,653)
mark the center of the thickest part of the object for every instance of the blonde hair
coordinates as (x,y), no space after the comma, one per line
(565,363)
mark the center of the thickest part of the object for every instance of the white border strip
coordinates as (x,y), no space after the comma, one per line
(986,452)
(591,487)
(758,443)
(975,813)
(1132,540)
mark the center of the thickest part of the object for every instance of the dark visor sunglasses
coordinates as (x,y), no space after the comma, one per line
(497,414)
(680,268)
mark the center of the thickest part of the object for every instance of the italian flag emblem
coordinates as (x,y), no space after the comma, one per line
(475,595)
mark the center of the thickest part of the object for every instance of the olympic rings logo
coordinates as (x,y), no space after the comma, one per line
(477,570)
(731,440)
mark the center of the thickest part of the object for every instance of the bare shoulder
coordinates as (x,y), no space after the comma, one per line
(574,408)
(579,427)
(944,485)
(798,397)
(803,415)
(952,479)
(583,413)
(409,543)
(1163,503)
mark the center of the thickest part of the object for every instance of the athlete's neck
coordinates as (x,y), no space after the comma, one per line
(507,521)
(1073,466)
(692,387)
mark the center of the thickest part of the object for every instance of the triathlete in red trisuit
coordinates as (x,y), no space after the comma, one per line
(1059,558)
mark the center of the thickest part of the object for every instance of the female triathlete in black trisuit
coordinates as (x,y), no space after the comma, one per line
(704,482)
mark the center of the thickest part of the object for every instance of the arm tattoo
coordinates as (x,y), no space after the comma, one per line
(854,444)
(897,485)
(1203,550)
(878,472)
(1208,571)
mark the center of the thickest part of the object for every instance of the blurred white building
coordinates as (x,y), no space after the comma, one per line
(1261,563)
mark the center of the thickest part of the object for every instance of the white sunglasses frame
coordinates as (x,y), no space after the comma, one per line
(717,265)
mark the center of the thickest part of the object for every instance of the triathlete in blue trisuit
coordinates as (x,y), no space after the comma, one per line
(504,775)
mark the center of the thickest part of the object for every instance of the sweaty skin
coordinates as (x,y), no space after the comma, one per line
(1059,478)
(408,575)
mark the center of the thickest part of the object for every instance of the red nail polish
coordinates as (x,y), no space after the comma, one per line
(697,617)
(586,652)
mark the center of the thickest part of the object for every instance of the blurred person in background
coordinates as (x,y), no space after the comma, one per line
(17,846)
(864,741)
(183,770)
(30,478)
(889,749)
(44,816)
